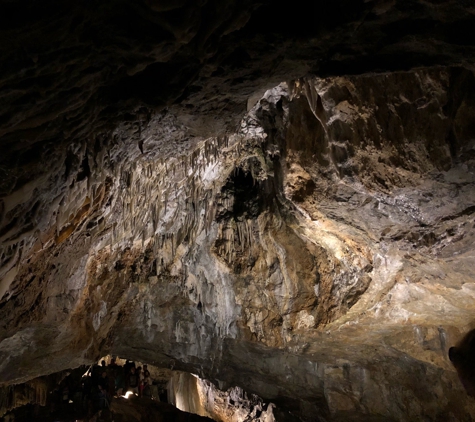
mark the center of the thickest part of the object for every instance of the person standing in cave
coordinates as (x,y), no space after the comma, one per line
(103,385)
(127,366)
(120,381)
(104,381)
(140,376)
(103,399)
(86,391)
(462,357)
(111,387)
(147,383)
(112,372)
(133,381)
(95,373)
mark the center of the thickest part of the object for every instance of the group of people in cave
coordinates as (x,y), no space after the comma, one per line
(94,390)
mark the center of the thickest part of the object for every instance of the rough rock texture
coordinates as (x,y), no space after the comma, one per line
(320,257)
(191,394)
(317,252)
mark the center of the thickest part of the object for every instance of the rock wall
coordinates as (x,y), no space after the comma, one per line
(191,394)
(320,257)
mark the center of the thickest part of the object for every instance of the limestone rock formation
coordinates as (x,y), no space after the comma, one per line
(316,251)
(194,395)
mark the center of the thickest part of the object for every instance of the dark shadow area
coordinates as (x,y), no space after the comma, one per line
(105,392)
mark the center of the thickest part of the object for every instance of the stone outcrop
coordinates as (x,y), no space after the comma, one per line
(192,394)
(324,248)
(316,251)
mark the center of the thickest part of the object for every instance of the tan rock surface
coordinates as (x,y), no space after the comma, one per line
(320,257)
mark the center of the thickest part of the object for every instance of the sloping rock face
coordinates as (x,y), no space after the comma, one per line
(317,252)
(191,394)
(321,257)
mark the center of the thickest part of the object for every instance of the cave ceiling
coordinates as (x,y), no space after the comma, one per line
(280,198)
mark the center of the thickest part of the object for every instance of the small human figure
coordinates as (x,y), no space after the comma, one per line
(65,394)
(147,383)
(133,381)
(462,357)
(120,382)
(127,366)
(104,381)
(140,375)
(103,399)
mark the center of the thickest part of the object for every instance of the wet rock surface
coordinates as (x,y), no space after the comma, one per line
(317,252)
(319,257)
(191,394)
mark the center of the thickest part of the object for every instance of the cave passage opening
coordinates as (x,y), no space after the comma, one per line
(116,389)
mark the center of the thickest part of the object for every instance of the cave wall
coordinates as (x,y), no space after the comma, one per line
(319,257)
(191,394)
(316,252)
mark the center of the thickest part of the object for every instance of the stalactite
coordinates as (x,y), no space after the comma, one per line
(173,239)
(154,217)
(158,269)
(162,241)
(154,245)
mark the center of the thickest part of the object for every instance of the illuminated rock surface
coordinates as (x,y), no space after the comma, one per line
(317,251)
